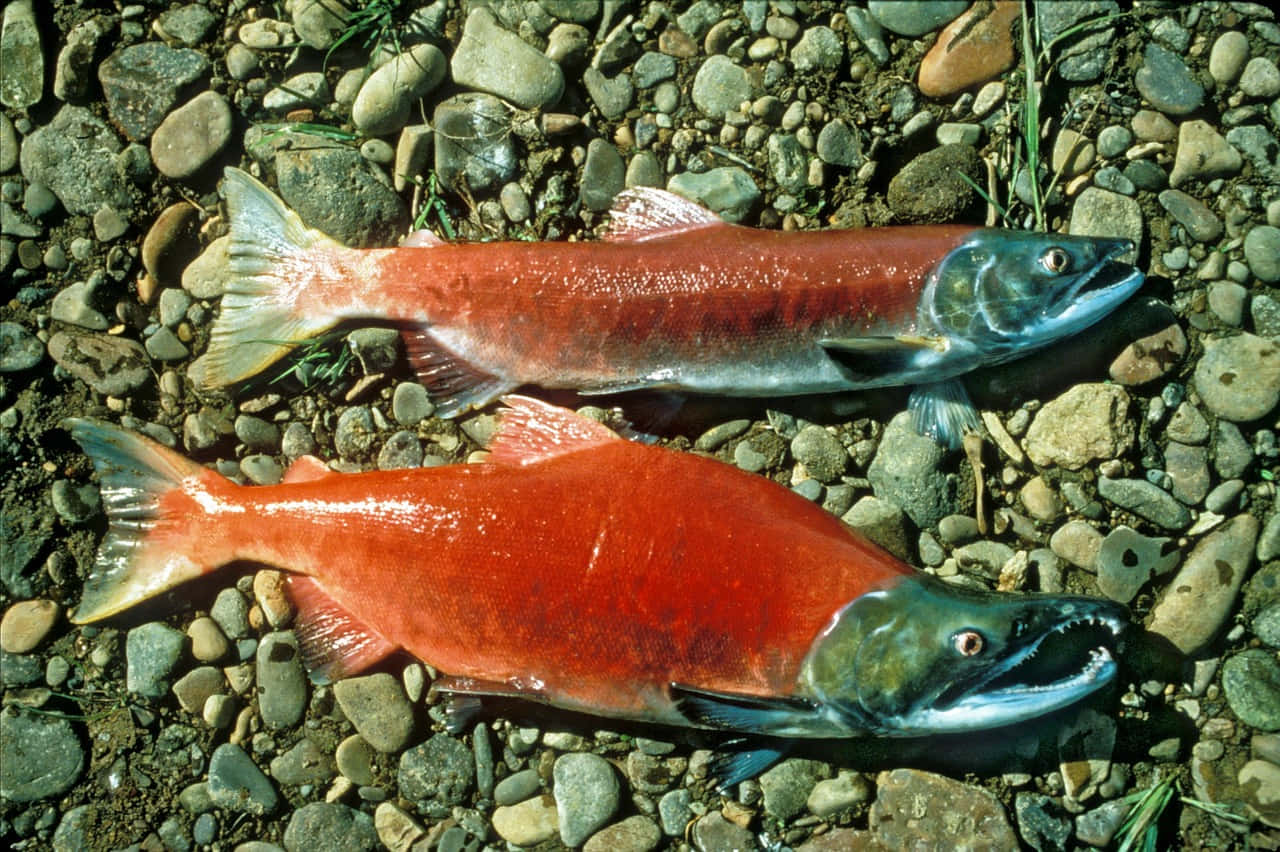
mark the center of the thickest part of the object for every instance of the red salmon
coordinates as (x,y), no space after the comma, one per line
(598,575)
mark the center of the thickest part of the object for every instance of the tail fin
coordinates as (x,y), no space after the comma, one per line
(273,256)
(152,500)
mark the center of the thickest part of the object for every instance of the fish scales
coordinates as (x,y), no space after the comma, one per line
(597,313)
(551,579)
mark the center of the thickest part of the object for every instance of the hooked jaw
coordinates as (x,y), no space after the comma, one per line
(1043,675)
(1112,282)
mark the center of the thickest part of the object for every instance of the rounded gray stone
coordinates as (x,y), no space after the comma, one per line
(1228,55)
(720,86)
(377,706)
(603,175)
(517,787)
(492,59)
(472,144)
(142,83)
(1145,500)
(237,784)
(1251,681)
(906,471)
(914,17)
(191,136)
(1128,560)
(330,825)
(1167,83)
(334,189)
(786,787)
(41,755)
(1238,377)
(74,155)
(586,791)
(305,763)
(1101,213)
(152,651)
(1262,252)
(823,456)
(386,100)
(282,684)
(19,348)
(1201,222)
(440,771)
(727,191)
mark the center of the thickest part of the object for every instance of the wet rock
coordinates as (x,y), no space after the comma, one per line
(282,684)
(330,825)
(1188,469)
(1251,682)
(728,191)
(1085,746)
(720,86)
(336,190)
(22,84)
(613,96)
(473,145)
(386,100)
(1202,154)
(833,795)
(1150,357)
(1100,213)
(823,456)
(1199,598)
(883,522)
(41,755)
(143,82)
(1260,79)
(1086,423)
(914,807)
(170,243)
(495,60)
(1041,822)
(1128,560)
(974,48)
(929,188)
(633,834)
(237,784)
(1238,377)
(191,136)
(586,793)
(905,471)
(1145,500)
(377,706)
(74,156)
(1227,56)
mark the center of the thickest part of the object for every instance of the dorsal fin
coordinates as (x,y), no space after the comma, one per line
(333,642)
(643,213)
(421,238)
(532,431)
(307,469)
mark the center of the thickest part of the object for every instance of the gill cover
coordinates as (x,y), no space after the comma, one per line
(924,657)
(1005,293)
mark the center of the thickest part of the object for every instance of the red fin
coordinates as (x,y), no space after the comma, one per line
(421,238)
(334,644)
(307,469)
(532,431)
(644,213)
(454,384)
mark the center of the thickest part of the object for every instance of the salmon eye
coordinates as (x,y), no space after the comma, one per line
(968,643)
(1056,260)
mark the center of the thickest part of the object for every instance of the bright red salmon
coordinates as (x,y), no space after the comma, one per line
(672,298)
(603,576)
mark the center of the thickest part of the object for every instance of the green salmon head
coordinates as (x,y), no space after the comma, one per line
(924,657)
(1003,293)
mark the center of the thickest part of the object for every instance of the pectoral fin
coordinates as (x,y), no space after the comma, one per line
(942,411)
(782,716)
(738,764)
(870,358)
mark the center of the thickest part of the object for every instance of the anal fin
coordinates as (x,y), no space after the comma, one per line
(454,384)
(333,642)
(943,412)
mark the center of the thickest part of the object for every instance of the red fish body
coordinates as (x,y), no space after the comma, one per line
(602,576)
(671,298)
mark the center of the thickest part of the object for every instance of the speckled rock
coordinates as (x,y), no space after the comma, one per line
(728,191)
(237,784)
(282,684)
(377,706)
(440,771)
(152,651)
(527,823)
(142,83)
(929,188)
(1251,682)
(906,471)
(330,825)
(1166,82)
(914,807)
(586,792)
(1086,423)
(720,85)
(1200,596)
(386,100)
(1128,560)
(191,136)
(41,755)
(1238,377)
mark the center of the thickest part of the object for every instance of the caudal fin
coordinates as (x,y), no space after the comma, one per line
(274,256)
(152,497)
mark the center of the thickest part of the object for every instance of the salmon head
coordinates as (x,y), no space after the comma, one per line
(1001,294)
(923,657)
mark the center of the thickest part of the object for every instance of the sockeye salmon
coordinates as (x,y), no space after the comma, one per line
(672,298)
(608,577)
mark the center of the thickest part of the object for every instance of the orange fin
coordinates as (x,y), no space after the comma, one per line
(333,642)
(307,469)
(645,213)
(454,384)
(154,501)
(532,431)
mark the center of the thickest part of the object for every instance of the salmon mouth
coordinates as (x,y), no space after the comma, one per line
(1107,273)
(1074,657)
